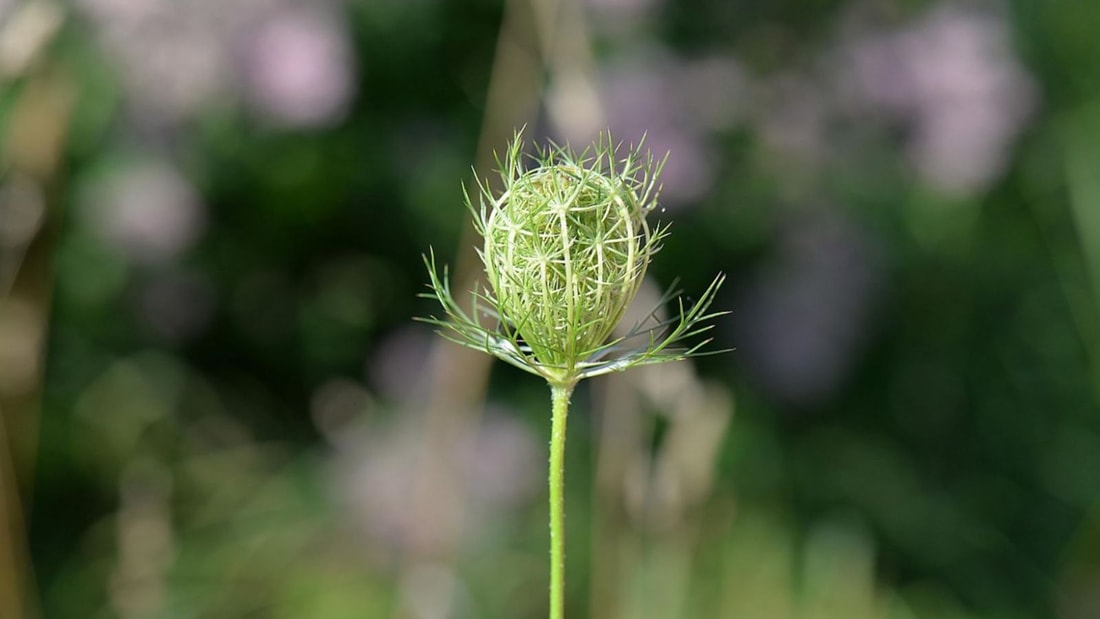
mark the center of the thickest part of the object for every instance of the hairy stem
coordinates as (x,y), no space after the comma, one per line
(559,395)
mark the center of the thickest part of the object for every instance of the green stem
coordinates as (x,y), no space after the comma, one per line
(559,396)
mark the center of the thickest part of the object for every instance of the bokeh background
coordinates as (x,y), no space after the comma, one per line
(215,402)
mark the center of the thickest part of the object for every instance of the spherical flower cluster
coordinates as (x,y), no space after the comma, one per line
(566,247)
(565,250)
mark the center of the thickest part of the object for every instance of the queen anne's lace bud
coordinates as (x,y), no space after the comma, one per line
(566,247)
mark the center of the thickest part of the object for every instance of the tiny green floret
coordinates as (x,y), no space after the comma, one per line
(566,247)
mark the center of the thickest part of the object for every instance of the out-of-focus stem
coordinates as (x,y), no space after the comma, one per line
(32,147)
(458,377)
(1084,191)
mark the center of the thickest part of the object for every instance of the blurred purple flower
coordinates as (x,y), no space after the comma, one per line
(377,473)
(176,57)
(953,80)
(800,324)
(504,462)
(675,104)
(299,69)
(395,368)
(170,55)
(147,210)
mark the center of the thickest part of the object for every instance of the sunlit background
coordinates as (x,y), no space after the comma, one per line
(215,402)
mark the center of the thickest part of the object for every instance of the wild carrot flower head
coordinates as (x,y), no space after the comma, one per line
(566,247)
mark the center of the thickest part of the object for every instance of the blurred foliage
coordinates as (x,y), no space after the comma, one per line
(212,217)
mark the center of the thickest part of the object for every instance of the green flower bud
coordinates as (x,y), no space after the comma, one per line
(566,247)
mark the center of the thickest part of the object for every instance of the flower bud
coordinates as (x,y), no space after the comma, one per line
(566,247)
(565,252)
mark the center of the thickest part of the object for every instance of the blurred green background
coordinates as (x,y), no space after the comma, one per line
(215,402)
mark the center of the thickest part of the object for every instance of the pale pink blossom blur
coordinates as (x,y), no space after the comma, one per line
(802,320)
(953,81)
(293,59)
(148,211)
(676,104)
(299,69)
(171,56)
(377,469)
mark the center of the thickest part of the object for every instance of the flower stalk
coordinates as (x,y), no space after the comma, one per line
(566,248)
(559,396)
